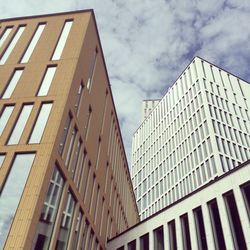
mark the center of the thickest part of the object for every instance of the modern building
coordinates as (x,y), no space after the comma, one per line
(214,216)
(198,131)
(147,107)
(64,178)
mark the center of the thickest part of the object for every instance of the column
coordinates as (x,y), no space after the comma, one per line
(225,223)
(192,230)
(208,227)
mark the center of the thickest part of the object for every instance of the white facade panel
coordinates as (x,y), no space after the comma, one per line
(198,130)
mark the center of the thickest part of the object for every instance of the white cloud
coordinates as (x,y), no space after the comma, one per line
(147,44)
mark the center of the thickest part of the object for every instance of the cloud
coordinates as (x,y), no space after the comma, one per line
(147,44)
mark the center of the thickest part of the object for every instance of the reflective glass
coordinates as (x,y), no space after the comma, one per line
(33,43)
(5,35)
(62,40)
(12,83)
(12,45)
(20,124)
(47,80)
(12,192)
(2,157)
(40,123)
(7,111)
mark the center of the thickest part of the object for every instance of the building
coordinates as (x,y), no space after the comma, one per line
(198,131)
(214,216)
(147,106)
(64,178)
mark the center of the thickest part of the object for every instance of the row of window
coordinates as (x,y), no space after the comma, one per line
(21,121)
(72,222)
(169,188)
(200,221)
(12,190)
(33,42)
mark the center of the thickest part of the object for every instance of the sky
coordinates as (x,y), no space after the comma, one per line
(147,44)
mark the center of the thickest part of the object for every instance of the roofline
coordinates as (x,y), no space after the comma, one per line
(155,99)
(180,76)
(47,15)
(118,124)
(186,197)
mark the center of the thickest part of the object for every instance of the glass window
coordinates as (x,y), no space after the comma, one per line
(47,80)
(33,43)
(12,45)
(12,83)
(235,221)
(5,35)
(2,157)
(12,191)
(66,222)
(92,69)
(40,123)
(78,98)
(76,235)
(50,208)
(200,228)
(172,235)
(185,232)
(5,115)
(62,40)
(159,239)
(132,245)
(20,124)
(64,135)
(144,242)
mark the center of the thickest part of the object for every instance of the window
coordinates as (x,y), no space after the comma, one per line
(5,115)
(234,220)
(144,242)
(92,69)
(20,124)
(159,239)
(200,229)
(40,123)
(70,148)
(12,44)
(132,245)
(246,194)
(12,191)
(76,234)
(33,43)
(79,98)
(88,118)
(65,134)
(2,157)
(12,83)
(62,40)
(50,209)
(185,232)
(172,235)
(5,35)
(216,225)
(47,80)
(66,223)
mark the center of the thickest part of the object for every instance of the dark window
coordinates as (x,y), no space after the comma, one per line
(234,219)
(172,235)
(246,194)
(200,229)
(144,242)
(132,245)
(216,225)
(185,232)
(158,239)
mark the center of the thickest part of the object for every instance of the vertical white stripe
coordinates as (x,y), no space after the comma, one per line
(33,43)
(12,45)
(5,35)
(62,40)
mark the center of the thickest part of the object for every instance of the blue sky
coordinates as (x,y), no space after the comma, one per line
(147,44)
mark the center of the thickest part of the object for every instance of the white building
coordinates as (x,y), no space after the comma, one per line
(215,216)
(147,107)
(199,130)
